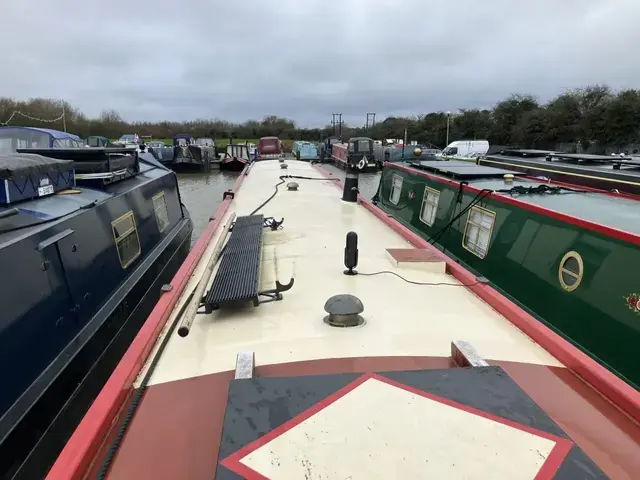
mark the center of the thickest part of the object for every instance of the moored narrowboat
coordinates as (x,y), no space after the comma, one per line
(305,150)
(359,151)
(88,238)
(187,154)
(604,172)
(566,254)
(12,138)
(236,157)
(270,148)
(340,330)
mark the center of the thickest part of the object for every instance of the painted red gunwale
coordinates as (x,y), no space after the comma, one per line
(623,396)
(85,442)
(579,222)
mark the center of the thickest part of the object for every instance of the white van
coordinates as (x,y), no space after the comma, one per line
(465,149)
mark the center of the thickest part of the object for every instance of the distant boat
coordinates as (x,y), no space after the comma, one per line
(269,148)
(305,150)
(88,238)
(236,157)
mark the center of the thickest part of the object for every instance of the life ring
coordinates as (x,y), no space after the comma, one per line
(361,164)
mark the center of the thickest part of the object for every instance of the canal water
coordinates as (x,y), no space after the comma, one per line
(202,192)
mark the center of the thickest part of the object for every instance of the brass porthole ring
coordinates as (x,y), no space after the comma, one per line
(571,271)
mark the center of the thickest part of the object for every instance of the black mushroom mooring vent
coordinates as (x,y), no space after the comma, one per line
(344,311)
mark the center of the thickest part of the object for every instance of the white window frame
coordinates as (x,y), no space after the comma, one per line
(395,187)
(473,247)
(434,205)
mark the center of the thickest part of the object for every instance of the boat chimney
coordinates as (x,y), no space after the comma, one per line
(351,254)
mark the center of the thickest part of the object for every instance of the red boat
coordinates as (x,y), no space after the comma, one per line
(269,148)
(309,336)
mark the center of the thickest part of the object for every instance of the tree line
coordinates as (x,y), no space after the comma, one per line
(594,118)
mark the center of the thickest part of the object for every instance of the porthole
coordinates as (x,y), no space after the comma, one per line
(570,271)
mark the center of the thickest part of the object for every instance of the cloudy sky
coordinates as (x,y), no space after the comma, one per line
(306,59)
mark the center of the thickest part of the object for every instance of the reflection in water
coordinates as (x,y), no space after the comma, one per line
(202,192)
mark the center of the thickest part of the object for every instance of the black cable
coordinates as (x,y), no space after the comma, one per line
(283,178)
(479,280)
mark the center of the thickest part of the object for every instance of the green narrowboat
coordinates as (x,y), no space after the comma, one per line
(568,255)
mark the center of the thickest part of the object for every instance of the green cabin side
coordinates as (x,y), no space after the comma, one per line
(589,300)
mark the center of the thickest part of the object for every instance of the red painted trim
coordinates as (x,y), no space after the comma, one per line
(549,468)
(231,160)
(622,395)
(86,440)
(563,217)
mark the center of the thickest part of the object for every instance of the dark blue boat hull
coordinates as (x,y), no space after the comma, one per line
(59,346)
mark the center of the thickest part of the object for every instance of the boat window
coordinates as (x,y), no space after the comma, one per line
(125,235)
(352,147)
(160,208)
(478,230)
(429,205)
(364,146)
(396,189)
(450,151)
(571,271)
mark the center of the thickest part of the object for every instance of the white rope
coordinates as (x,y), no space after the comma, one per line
(16,112)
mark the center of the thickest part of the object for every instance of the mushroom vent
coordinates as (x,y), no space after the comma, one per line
(283,165)
(292,186)
(344,311)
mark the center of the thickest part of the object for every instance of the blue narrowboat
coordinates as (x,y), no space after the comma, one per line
(305,150)
(89,237)
(12,138)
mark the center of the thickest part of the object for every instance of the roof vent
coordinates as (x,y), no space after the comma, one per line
(281,160)
(283,166)
(293,186)
(344,311)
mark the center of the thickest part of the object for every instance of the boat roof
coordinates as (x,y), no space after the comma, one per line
(615,166)
(603,208)
(57,134)
(276,391)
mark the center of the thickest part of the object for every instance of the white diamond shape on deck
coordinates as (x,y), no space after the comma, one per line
(379,430)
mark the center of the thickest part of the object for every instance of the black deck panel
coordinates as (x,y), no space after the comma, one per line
(461,169)
(588,157)
(256,407)
(607,170)
(238,277)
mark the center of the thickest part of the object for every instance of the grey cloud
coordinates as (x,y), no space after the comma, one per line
(305,59)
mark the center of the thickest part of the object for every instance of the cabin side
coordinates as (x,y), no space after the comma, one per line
(573,276)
